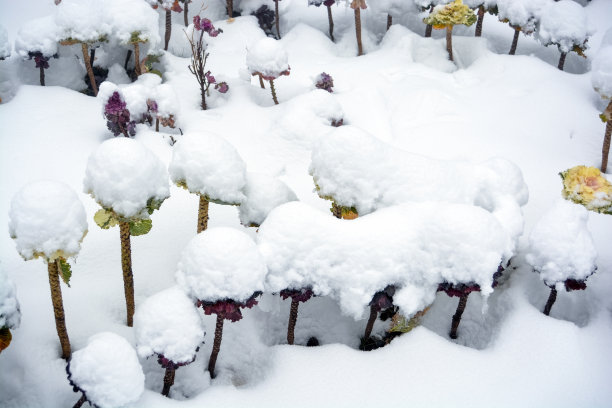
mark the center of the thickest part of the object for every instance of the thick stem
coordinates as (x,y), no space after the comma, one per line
(202,214)
(370,325)
(457,317)
(261,82)
(330,18)
(449,41)
(389,21)
(137,59)
(127,59)
(551,301)
(358,31)
(292,319)
(216,346)
(168,379)
(277,19)
(58,308)
(605,150)
(562,60)
(186,13)
(42,76)
(126,265)
(80,402)
(273,92)
(230,9)
(168,29)
(514,42)
(481,13)
(429,27)
(92,78)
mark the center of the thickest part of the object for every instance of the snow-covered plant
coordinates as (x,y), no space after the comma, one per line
(38,40)
(449,15)
(222,270)
(297,296)
(10,315)
(357,6)
(117,116)
(47,220)
(601,79)
(169,326)
(330,17)
(168,6)
(483,6)
(262,193)
(429,6)
(522,15)
(382,300)
(129,182)
(561,249)
(325,81)
(586,186)
(199,56)
(5,46)
(268,60)
(207,165)
(106,372)
(564,24)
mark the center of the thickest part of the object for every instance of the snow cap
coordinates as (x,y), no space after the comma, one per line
(263,194)
(269,58)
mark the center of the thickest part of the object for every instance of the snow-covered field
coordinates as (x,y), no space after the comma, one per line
(416,111)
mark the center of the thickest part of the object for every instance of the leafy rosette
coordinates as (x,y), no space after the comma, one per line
(451,14)
(300,295)
(229,309)
(586,186)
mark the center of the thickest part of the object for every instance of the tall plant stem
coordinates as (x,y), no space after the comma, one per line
(389,21)
(562,61)
(449,41)
(551,301)
(58,308)
(80,402)
(127,59)
(230,9)
(168,380)
(514,42)
(429,27)
(186,13)
(126,265)
(330,18)
(481,13)
(358,31)
(42,76)
(273,92)
(137,59)
(457,317)
(370,325)
(277,19)
(202,214)
(216,346)
(605,150)
(168,29)
(261,82)
(92,78)
(292,320)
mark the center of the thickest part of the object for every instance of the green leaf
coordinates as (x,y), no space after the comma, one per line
(153,204)
(105,219)
(140,227)
(65,271)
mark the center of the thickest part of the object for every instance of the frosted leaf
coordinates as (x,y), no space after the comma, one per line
(263,194)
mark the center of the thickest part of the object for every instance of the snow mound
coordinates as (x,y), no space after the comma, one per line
(124,175)
(221,263)
(108,371)
(523,14)
(209,165)
(601,68)
(560,245)
(38,35)
(169,325)
(47,219)
(263,194)
(5,45)
(342,170)
(10,315)
(268,58)
(564,23)
(414,246)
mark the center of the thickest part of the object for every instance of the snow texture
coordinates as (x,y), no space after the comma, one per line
(10,315)
(221,263)
(342,170)
(38,35)
(108,371)
(429,3)
(83,20)
(263,194)
(117,75)
(474,4)
(523,14)
(133,17)
(209,165)
(561,246)
(565,24)
(601,68)
(168,324)
(268,57)
(47,219)
(123,175)
(414,246)
(5,45)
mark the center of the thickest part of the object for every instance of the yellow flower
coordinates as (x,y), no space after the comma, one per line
(586,186)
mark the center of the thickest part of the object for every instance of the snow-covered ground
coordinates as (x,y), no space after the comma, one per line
(405,93)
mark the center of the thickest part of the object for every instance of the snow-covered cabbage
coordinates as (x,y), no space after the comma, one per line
(565,24)
(263,194)
(267,57)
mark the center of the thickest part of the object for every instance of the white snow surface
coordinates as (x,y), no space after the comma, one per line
(5,45)
(522,13)
(601,68)
(221,263)
(10,315)
(561,246)
(209,166)
(268,57)
(358,170)
(414,246)
(47,219)
(123,174)
(38,35)
(263,193)
(107,369)
(565,24)
(168,324)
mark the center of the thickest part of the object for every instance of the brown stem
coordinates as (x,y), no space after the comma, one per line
(42,76)
(514,42)
(80,402)
(429,27)
(261,82)
(216,346)
(168,29)
(92,56)
(292,319)
(358,31)
(562,60)
(230,8)
(126,265)
(389,21)
(273,92)
(127,59)
(605,150)
(157,124)
(58,308)
(277,19)
(90,73)
(202,214)
(370,325)
(137,59)
(330,18)
(551,301)
(449,41)
(481,13)
(186,13)
(168,379)
(457,317)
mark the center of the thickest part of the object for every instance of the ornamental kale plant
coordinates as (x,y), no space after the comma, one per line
(42,63)
(268,60)
(381,300)
(447,16)
(117,116)
(330,18)
(297,296)
(325,81)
